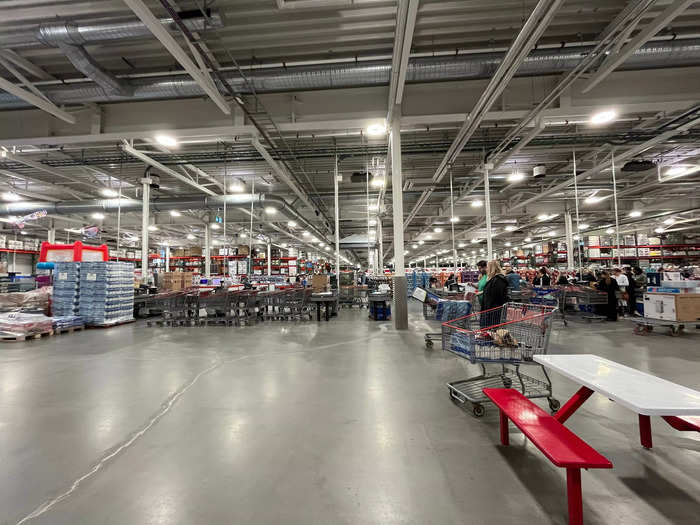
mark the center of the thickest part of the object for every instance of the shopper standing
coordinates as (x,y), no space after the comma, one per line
(542,278)
(631,291)
(623,284)
(609,285)
(495,294)
(512,277)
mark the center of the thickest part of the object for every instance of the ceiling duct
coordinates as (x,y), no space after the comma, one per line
(668,53)
(84,33)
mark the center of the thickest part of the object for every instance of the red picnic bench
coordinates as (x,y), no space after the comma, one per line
(559,444)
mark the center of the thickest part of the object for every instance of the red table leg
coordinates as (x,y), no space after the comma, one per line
(573,404)
(504,429)
(573,491)
(645,431)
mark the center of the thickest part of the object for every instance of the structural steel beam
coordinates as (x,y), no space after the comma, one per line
(160,167)
(650,30)
(156,27)
(34,100)
(283,174)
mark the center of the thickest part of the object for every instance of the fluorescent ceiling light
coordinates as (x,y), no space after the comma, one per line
(166,140)
(437,230)
(429,237)
(190,237)
(552,233)
(373,207)
(108,192)
(477,203)
(542,217)
(243,235)
(670,220)
(376,129)
(659,230)
(23,232)
(510,228)
(516,176)
(421,242)
(377,182)
(603,117)
(175,213)
(214,226)
(461,245)
(11,196)
(583,226)
(593,199)
(474,241)
(527,239)
(237,187)
(270,210)
(372,222)
(507,244)
(414,246)
(635,213)
(454,219)
(610,230)
(152,228)
(98,216)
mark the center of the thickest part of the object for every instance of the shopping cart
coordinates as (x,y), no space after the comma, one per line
(554,295)
(346,296)
(586,299)
(506,337)
(442,306)
(216,308)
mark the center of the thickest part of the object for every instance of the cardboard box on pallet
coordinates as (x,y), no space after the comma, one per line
(243,250)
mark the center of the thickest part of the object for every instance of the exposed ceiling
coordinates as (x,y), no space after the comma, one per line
(48,159)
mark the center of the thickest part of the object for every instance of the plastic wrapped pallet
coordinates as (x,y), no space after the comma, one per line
(106,292)
(66,288)
(23,324)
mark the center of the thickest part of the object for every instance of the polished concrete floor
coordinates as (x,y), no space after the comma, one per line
(313,423)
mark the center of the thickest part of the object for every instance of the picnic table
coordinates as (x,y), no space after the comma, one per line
(643,393)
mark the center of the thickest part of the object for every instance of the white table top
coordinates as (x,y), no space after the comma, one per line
(639,391)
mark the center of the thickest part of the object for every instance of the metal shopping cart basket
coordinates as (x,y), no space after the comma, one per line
(505,337)
(586,299)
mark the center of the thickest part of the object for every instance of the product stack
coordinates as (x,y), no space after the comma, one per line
(106,292)
(66,289)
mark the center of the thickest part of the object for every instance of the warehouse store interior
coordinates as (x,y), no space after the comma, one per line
(350,261)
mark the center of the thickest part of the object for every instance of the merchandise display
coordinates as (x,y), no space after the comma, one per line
(106,292)
(66,289)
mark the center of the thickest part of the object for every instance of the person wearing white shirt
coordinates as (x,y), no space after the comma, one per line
(623,282)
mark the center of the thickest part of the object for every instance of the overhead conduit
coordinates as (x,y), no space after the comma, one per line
(661,54)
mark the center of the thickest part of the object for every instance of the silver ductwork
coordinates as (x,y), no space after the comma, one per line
(669,53)
(83,33)
(71,37)
(87,65)
(193,202)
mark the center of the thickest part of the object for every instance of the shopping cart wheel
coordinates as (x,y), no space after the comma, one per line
(674,331)
(554,404)
(507,382)
(428,343)
(478,410)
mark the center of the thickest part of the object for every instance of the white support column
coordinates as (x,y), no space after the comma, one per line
(145,223)
(336,213)
(380,259)
(269,259)
(569,241)
(487,210)
(51,234)
(167,257)
(400,312)
(207,250)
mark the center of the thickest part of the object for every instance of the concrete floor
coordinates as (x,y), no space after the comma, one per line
(313,423)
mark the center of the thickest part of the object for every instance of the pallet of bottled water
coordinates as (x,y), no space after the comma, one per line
(66,289)
(106,293)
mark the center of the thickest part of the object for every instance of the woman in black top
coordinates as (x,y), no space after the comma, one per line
(542,278)
(609,285)
(496,289)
